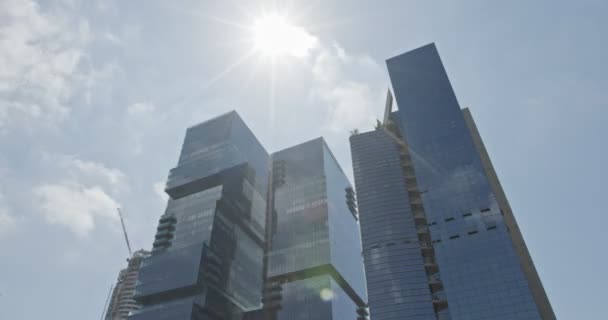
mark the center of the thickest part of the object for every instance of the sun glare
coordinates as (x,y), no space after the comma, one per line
(273,36)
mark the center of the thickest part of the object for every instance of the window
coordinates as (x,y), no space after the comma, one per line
(449,219)
(491,227)
(485,210)
(466,215)
(455,237)
(472,232)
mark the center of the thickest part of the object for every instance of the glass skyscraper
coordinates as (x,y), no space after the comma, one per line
(221,253)
(208,253)
(439,238)
(315,268)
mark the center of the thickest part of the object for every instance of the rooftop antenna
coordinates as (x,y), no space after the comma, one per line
(125,232)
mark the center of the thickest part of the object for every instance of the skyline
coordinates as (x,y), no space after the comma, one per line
(122,87)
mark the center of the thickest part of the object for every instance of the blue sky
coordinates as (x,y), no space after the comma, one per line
(95,97)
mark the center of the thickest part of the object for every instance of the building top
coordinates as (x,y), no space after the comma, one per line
(316,224)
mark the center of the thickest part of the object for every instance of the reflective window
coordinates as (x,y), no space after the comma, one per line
(315,232)
(209,246)
(480,272)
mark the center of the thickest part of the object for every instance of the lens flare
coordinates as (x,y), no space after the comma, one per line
(327,294)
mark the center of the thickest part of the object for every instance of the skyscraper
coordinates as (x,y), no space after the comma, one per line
(207,257)
(121,301)
(439,238)
(315,269)
(221,253)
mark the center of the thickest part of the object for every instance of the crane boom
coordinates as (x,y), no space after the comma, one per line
(124,230)
(105,306)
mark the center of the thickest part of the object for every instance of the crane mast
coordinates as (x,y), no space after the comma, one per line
(105,306)
(124,230)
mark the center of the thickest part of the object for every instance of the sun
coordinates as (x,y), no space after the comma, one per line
(274,36)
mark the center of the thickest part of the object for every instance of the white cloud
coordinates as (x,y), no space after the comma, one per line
(140,108)
(82,196)
(352,87)
(75,206)
(39,57)
(112,38)
(95,169)
(7,221)
(89,171)
(159,189)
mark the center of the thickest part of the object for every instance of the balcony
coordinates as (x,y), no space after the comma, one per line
(444,315)
(422,229)
(272,295)
(430,265)
(403,152)
(419,218)
(440,300)
(427,248)
(423,233)
(417,207)
(415,200)
(166,226)
(406,160)
(166,222)
(164,233)
(411,184)
(435,283)
(161,243)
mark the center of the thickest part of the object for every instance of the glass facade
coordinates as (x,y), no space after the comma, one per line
(480,272)
(318,297)
(397,281)
(315,270)
(207,257)
(221,253)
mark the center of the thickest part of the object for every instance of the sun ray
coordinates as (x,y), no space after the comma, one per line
(305,11)
(202,89)
(272,94)
(228,69)
(199,14)
(333,24)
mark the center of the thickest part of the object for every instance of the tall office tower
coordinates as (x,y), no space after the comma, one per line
(121,302)
(207,259)
(315,270)
(439,238)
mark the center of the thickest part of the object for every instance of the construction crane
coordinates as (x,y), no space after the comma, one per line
(124,230)
(105,306)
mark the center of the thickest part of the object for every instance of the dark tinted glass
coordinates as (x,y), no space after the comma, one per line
(209,246)
(480,270)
